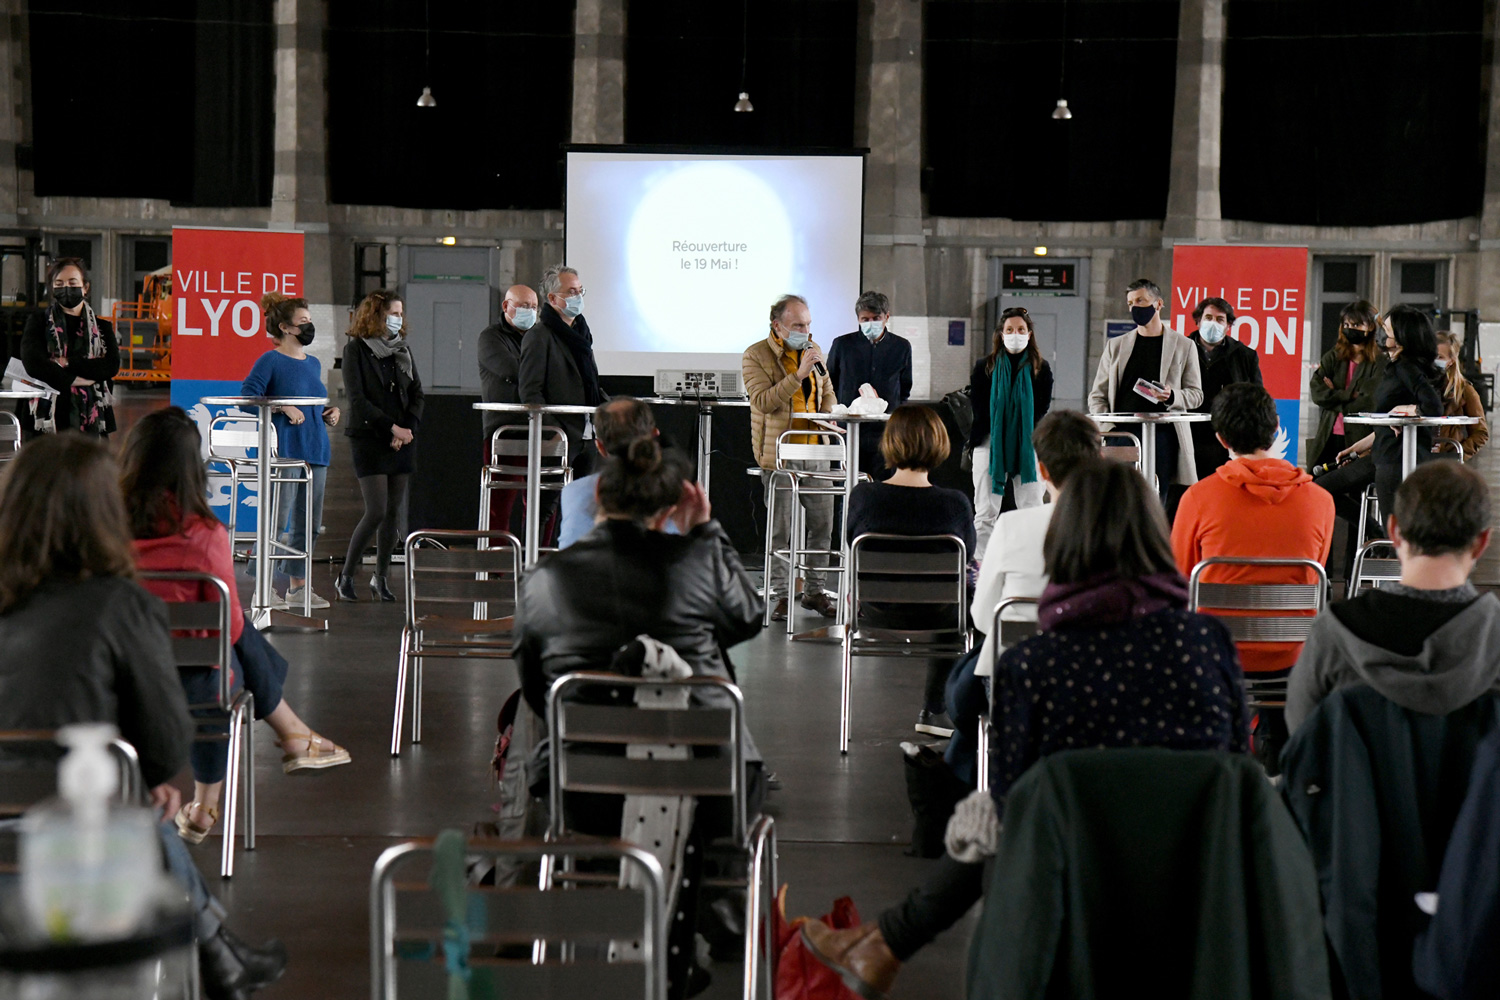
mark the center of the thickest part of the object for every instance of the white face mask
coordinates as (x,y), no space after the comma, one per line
(1441,363)
(1212,331)
(1015,343)
(525,318)
(872,328)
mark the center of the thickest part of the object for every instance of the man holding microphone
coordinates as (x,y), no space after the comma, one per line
(785,374)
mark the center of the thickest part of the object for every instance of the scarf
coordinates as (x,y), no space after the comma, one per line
(1012,419)
(1109,599)
(92,407)
(580,343)
(385,347)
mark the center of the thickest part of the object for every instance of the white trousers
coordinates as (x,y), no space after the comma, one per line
(987,501)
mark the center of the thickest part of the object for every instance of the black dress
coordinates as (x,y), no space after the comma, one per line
(381,396)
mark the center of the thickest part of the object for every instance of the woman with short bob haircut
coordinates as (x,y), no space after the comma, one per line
(166,490)
(1119,661)
(914,443)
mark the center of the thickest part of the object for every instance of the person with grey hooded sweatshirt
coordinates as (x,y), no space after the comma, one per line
(1431,643)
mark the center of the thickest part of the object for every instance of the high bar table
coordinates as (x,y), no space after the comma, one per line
(1148,441)
(706,405)
(1408,441)
(262,615)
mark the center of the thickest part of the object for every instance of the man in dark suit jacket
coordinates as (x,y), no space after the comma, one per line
(500,381)
(875,355)
(557,362)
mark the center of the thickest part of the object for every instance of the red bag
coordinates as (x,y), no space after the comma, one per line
(799,974)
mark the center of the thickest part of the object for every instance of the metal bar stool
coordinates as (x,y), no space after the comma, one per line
(510,441)
(828,447)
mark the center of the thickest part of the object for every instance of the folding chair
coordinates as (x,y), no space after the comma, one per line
(197,652)
(1269,692)
(28,776)
(828,446)
(410,933)
(895,570)
(438,577)
(232,444)
(1007,634)
(579,728)
(10,436)
(510,441)
(1372,571)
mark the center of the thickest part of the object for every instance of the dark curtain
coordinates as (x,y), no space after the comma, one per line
(683,72)
(170,99)
(502,75)
(1354,112)
(991,81)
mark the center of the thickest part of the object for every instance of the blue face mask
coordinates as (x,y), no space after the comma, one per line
(797,341)
(573,306)
(1212,331)
(525,318)
(872,329)
(393,326)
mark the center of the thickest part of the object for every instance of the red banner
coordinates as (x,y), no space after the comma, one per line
(218,278)
(1267,289)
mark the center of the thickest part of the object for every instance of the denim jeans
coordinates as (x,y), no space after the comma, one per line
(257,666)
(291,514)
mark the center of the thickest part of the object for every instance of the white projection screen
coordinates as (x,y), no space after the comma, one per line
(682,254)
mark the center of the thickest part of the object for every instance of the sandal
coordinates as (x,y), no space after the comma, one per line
(319,753)
(190,831)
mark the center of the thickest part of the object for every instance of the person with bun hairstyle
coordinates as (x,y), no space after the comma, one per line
(73,351)
(288,370)
(625,579)
(385,407)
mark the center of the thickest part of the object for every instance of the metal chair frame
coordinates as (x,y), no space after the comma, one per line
(916,566)
(242,470)
(526,916)
(998,627)
(511,440)
(1267,692)
(1360,573)
(216,651)
(10,436)
(438,574)
(696,725)
(1135,442)
(796,556)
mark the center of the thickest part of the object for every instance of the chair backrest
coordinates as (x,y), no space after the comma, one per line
(579,728)
(1129,453)
(1372,570)
(197,650)
(826,446)
(439,575)
(909,569)
(511,440)
(28,769)
(1008,633)
(236,436)
(1273,597)
(408,923)
(1439,444)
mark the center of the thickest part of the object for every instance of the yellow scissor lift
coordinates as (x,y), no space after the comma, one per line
(144,330)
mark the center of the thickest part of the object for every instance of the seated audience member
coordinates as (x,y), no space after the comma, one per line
(80,641)
(914,443)
(1254,506)
(616,424)
(1460,399)
(1430,643)
(166,494)
(624,579)
(1119,662)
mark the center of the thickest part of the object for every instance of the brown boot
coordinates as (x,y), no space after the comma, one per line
(859,955)
(778,614)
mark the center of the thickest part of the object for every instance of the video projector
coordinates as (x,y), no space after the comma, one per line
(698,385)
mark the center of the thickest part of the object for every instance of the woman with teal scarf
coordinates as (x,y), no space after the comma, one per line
(1011,390)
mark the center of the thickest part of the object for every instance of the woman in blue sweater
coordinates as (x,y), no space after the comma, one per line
(288,370)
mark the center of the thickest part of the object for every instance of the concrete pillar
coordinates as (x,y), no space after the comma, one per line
(299,189)
(1488,279)
(599,71)
(1193,210)
(889,121)
(14,102)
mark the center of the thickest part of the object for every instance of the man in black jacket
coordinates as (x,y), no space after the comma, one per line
(872,354)
(557,362)
(1223,360)
(500,381)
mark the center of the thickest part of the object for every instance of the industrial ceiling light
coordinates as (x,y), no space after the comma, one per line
(1061,112)
(743,104)
(427,100)
(1039,251)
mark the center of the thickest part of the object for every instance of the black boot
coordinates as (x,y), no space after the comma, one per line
(379,589)
(344,587)
(232,969)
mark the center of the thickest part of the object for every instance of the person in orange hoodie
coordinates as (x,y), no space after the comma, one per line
(1254,506)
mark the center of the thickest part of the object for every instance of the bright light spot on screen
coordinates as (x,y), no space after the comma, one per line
(708,241)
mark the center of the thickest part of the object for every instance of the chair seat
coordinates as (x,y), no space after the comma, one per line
(453,625)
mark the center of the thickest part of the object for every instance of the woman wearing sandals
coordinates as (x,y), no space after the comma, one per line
(385,406)
(166,493)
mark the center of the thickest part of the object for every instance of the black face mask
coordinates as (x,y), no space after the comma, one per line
(68,296)
(305,333)
(1355,337)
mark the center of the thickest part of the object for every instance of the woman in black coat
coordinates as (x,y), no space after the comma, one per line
(385,407)
(74,352)
(1223,361)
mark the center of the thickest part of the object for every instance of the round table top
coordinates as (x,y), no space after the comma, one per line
(533,408)
(265,400)
(1169,417)
(21,394)
(851,417)
(1399,420)
(696,400)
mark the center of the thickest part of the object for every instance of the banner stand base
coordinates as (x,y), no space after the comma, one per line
(284,620)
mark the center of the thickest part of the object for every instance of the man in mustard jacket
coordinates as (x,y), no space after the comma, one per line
(781,381)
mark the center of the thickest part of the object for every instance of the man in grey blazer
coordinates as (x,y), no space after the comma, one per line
(1164,357)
